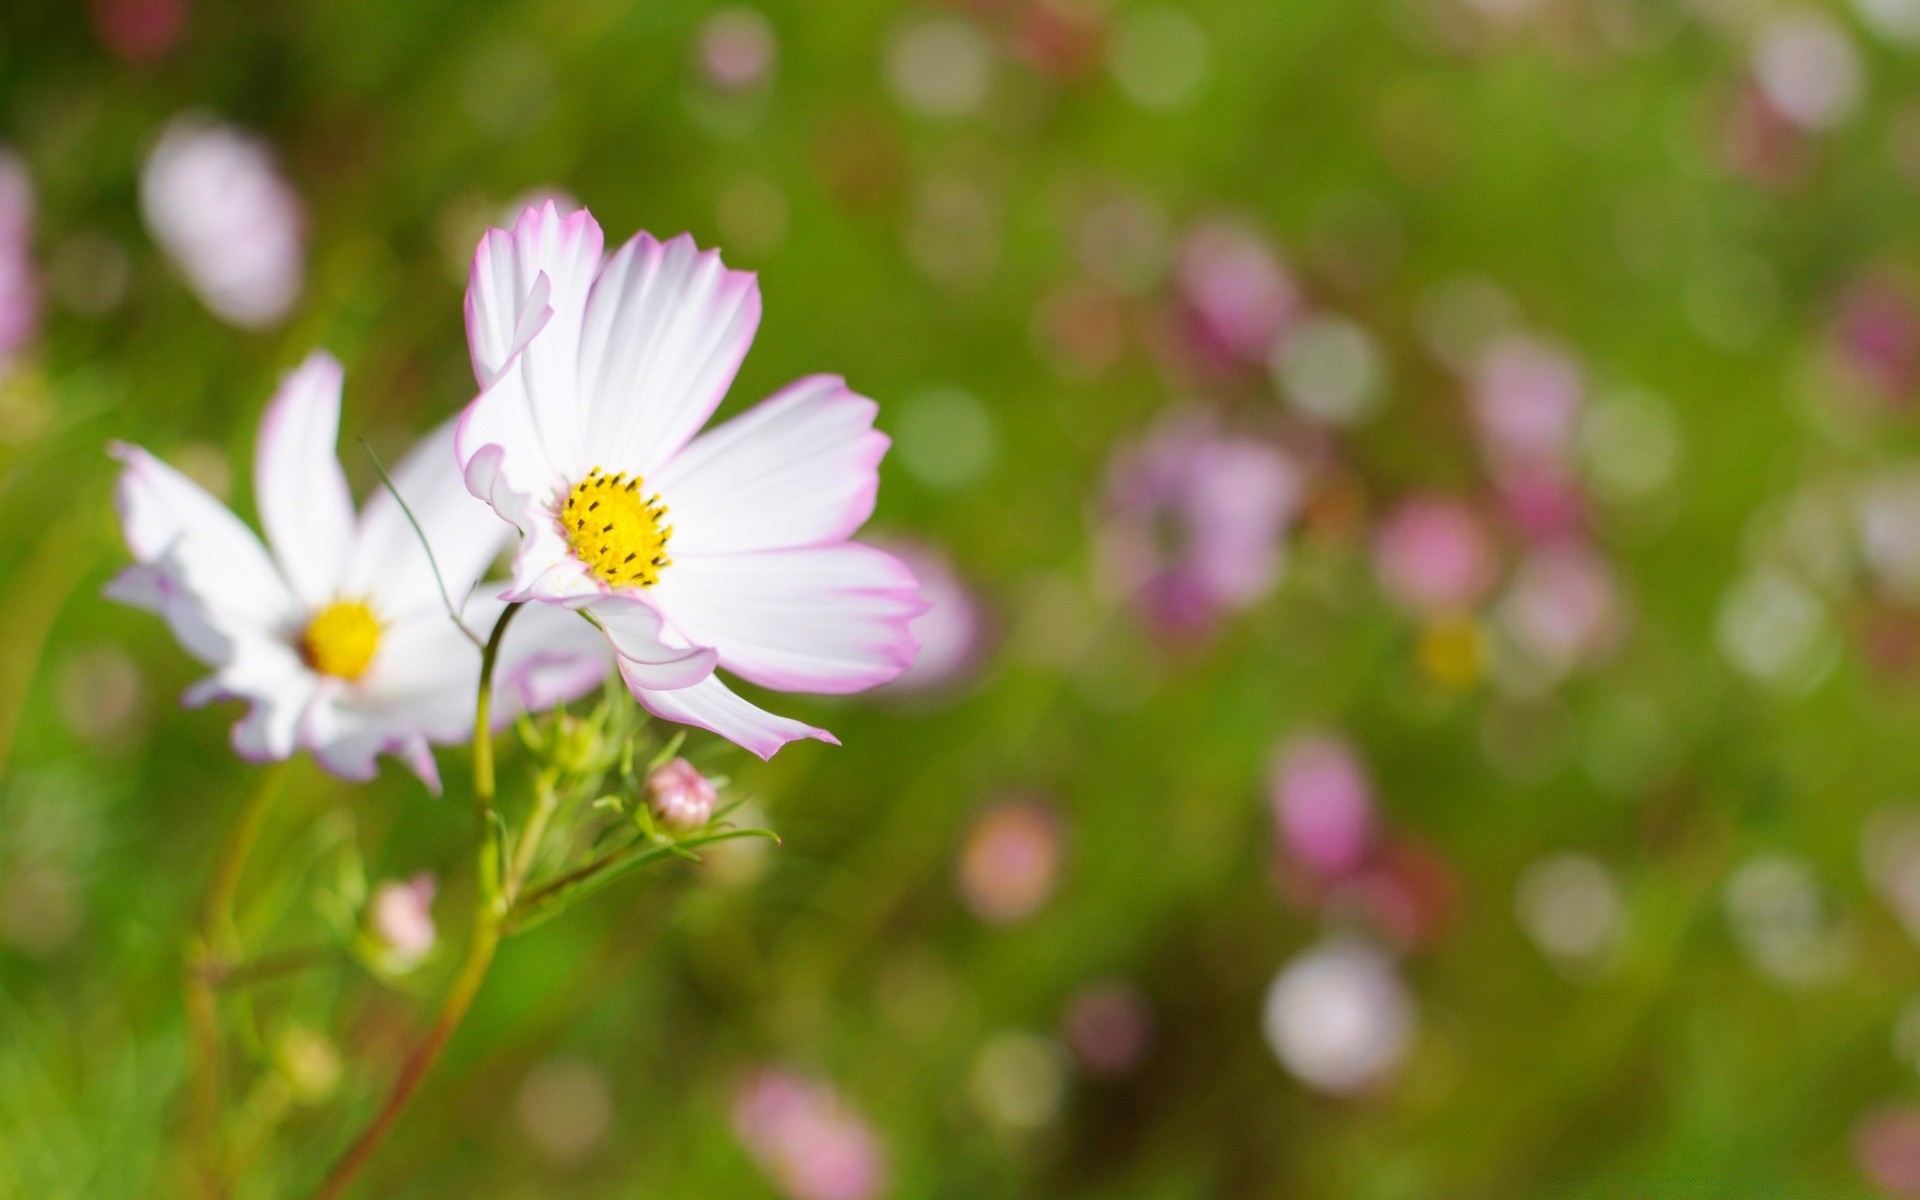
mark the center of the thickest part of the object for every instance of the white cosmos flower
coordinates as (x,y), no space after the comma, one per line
(725,549)
(338,637)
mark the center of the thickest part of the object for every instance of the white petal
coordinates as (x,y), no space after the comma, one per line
(801,469)
(830,619)
(528,364)
(305,506)
(544,567)
(347,739)
(666,328)
(712,706)
(388,562)
(646,659)
(271,678)
(426,673)
(213,557)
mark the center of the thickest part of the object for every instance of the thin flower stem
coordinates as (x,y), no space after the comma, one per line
(527,852)
(386,481)
(213,944)
(487,915)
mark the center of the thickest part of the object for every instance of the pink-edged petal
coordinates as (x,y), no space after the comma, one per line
(801,469)
(388,562)
(279,690)
(426,673)
(305,506)
(639,638)
(713,706)
(212,555)
(544,567)
(827,619)
(666,328)
(156,587)
(348,739)
(528,363)
(551,655)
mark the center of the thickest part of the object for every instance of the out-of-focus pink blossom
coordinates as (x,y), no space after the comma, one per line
(140,31)
(1762,144)
(1199,520)
(1875,337)
(1010,861)
(19,281)
(400,918)
(216,202)
(1323,804)
(810,1144)
(1408,892)
(1886,1144)
(951,632)
(1433,555)
(1236,290)
(679,796)
(1543,503)
(1062,38)
(1527,398)
(737,49)
(1564,606)
(1108,1026)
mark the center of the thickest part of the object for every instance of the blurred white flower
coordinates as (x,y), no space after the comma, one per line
(1570,905)
(335,631)
(1339,1018)
(1785,921)
(216,202)
(1808,68)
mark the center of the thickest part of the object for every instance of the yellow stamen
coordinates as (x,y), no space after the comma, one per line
(342,640)
(617,530)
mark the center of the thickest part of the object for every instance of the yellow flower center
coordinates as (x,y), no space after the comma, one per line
(341,640)
(616,530)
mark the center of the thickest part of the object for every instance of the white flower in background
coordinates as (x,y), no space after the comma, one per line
(217,204)
(337,636)
(1339,1018)
(728,549)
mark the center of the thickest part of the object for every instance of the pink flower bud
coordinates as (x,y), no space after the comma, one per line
(400,917)
(680,796)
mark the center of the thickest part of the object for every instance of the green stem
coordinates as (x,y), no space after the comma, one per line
(213,944)
(486,939)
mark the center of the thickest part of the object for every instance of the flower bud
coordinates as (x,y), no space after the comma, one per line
(308,1062)
(400,920)
(680,796)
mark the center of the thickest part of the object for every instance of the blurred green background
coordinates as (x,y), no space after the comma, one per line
(1629,879)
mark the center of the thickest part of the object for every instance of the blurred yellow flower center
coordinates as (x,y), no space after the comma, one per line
(617,530)
(341,640)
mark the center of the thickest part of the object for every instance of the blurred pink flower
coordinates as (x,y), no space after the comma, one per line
(19,281)
(1108,1026)
(737,49)
(1010,861)
(1564,606)
(679,796)
(1199,522)
(1886,1144)
(805,1138)
(1236,290)
(1543,503)
(216,202)
(400,917)
(140,31)
(951,631)
(1323,804)
(1433,554)
(1875,337)
(1527,398)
